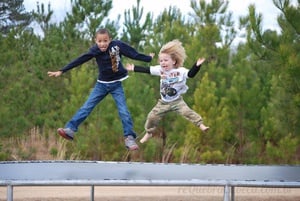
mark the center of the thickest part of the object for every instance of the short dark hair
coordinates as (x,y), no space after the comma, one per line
(103,31)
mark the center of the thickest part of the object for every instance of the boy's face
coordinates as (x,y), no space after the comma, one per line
(166,62)
(102,41)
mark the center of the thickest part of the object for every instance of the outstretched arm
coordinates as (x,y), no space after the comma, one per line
(132,53)
(76,62)
(196,67)
(140,69)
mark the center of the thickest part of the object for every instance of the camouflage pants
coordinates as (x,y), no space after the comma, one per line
(162,108)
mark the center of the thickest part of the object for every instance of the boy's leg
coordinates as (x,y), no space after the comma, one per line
(118,94)
(153,118)
(124,114)
(97,94)
(183,109)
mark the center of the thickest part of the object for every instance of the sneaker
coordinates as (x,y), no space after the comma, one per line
(66,133)
(146,137)
(130,143)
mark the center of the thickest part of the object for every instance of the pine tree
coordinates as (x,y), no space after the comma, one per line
(278,66)
(13,15)
(134,30)
(89,15)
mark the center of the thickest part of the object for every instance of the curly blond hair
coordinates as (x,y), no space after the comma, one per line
(175,49)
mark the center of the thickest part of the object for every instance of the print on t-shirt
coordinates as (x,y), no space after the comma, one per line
(172,84)
(115,58)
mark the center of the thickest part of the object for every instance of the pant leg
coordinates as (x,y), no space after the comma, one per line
(184,110)
(118,94)
(155,115)
(97,94)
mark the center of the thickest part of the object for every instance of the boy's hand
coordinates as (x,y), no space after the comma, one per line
(130,67)
(152,54)
(200,61)
(54,74)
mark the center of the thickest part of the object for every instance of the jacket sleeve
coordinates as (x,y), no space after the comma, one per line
(78,61)
(193,71)
(141,69)
(131,53)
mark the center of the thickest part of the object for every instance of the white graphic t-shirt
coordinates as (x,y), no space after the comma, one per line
(172,82)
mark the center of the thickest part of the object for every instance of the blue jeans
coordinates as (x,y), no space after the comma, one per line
(98,93)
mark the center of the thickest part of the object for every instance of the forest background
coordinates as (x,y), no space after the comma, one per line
(249,94)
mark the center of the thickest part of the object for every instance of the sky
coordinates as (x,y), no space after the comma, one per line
(237,7)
